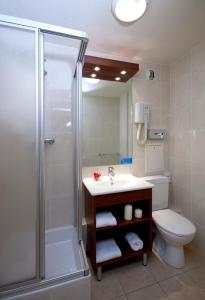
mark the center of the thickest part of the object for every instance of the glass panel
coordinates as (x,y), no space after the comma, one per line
(61,240)
(18,177)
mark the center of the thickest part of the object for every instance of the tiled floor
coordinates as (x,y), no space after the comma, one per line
(156,281)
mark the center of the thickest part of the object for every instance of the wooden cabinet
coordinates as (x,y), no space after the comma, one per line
(115,203)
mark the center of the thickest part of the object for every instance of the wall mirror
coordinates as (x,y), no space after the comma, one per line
(107,122)
(107,111)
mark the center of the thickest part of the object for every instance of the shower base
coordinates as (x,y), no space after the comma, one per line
(60,252)
(63,258)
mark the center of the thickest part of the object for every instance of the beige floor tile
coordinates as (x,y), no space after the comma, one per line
(121,298)
(198,275)
(141,282)
(153,292)
(106,289)
(182,287)
(193,259)
(160,269)
(35,296)
(134,276)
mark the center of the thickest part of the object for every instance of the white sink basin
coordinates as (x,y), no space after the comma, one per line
(121,183)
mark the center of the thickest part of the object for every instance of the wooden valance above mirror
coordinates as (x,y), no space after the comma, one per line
(108,69)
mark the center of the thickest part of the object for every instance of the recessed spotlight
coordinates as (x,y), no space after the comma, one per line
(97,68)
(129,10)
(93,75)
(123,72)
(117,78)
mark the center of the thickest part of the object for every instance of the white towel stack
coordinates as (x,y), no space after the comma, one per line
(107,249)
(134,241)
(105,219)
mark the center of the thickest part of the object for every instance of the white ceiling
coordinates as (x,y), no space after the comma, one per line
(165,32)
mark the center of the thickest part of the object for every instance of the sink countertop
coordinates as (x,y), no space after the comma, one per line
(121,183)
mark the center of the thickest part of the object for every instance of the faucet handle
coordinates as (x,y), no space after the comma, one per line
(111,168)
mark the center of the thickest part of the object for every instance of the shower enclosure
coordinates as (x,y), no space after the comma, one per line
(40,162)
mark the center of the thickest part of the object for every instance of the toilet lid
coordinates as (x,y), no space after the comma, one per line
(172,222)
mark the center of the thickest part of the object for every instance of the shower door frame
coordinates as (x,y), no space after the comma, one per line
(37,154)
(39,29)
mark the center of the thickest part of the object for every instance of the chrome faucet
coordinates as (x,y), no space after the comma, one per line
(111,174)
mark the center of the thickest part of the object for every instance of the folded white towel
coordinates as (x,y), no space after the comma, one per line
(107,249)
(105,219)
(134,241)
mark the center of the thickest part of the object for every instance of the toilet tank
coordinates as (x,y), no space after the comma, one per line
(160,191)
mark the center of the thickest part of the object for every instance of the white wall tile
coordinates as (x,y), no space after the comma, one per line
(187,137)
(156,94)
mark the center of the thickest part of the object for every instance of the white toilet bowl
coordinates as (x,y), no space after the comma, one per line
(173,232)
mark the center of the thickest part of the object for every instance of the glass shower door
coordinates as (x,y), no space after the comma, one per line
(19,186)
(62,248)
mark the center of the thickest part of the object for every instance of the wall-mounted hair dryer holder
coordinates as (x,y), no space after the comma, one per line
(141,120)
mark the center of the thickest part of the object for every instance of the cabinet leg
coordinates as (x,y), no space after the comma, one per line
(99,273)
(144,261)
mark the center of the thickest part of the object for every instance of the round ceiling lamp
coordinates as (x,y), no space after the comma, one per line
(129,10)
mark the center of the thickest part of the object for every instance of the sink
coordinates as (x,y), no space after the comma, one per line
(121,183)
(116,183)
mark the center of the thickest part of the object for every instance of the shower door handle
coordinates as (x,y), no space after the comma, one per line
(49,141)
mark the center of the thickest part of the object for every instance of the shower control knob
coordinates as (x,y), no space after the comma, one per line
(49,141)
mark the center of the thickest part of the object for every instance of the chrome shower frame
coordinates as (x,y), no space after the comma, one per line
(39,29)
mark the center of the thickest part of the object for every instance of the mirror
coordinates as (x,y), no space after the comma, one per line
(107,122)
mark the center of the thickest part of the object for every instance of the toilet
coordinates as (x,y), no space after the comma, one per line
(173,231)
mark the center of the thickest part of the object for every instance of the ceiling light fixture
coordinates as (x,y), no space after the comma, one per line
(129,10)
(117,78)
(123,72)
(97,68)
(93,75)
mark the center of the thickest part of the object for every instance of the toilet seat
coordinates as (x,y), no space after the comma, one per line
(173,223)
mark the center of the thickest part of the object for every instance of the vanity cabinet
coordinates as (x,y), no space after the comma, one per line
(115,203)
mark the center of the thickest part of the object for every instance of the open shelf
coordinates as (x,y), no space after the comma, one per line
(125,256)
(127,252)
(121,222)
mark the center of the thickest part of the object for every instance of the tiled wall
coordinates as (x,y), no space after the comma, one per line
(177,102)
(119,169)
(187,137)
(155,93)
